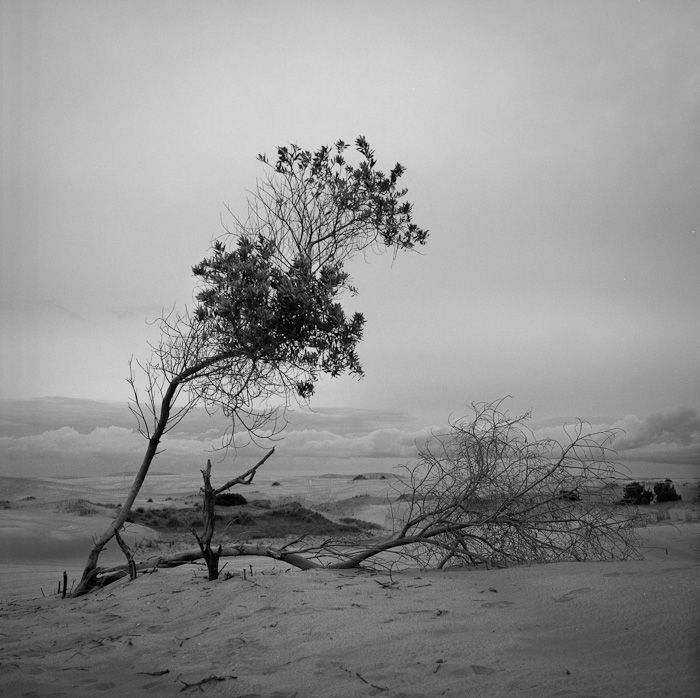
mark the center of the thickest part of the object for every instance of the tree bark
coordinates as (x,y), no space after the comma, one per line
(211,557)
(90,572)
(209,494)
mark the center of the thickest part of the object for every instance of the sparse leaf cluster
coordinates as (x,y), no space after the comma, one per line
(339,196)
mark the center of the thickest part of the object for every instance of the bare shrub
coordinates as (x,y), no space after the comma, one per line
(489,491)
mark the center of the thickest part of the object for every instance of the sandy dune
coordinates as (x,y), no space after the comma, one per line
(569,629)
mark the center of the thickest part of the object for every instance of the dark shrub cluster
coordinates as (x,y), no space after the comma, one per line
(230,499)
(666,492)
(637,493)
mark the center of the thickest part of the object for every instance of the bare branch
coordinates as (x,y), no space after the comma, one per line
(247,477)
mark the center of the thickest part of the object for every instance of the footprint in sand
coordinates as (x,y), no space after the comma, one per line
(96,685)
(478,669)
(571,595)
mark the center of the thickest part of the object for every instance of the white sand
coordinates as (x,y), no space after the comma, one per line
(569,629)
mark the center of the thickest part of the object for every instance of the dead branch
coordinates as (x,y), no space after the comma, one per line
(247,477)
(209,494)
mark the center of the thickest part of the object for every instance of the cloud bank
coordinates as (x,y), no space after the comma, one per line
(61,437)
(679,426)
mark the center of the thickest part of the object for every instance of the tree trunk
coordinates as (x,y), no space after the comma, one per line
(211,557)
(91,570)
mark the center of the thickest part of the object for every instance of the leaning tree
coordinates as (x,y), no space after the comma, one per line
(268,319)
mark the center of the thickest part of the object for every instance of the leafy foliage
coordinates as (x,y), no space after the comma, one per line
(345,196)
(251,308)
(273,295)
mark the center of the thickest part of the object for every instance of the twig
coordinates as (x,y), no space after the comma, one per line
(387,585)
(364,680)
(373,685)
(199,684)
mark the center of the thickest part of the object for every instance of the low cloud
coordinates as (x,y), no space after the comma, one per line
(379,443)
(65,451)
(75,437)
(676,427)
(103,451)
(671,436)
(52,436)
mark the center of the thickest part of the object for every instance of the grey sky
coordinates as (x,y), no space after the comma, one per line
(552,149)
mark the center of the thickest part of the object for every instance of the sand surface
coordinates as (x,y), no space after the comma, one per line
(569,629)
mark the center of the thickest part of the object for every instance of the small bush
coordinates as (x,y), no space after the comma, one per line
(666,492)
(636,493)
(230,499)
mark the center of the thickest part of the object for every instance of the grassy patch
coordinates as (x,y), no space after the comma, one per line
(78,506)
(255,521)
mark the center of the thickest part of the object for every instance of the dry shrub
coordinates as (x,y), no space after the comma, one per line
(488,491)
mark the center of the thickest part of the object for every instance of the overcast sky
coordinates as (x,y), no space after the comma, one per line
(552,149)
